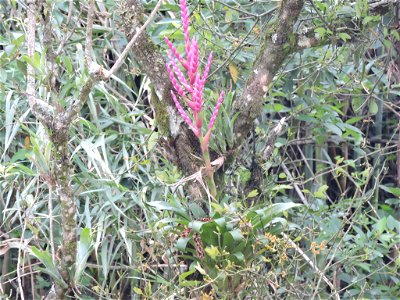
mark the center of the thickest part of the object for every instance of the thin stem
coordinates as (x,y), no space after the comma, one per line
(51,222)
(209,169)
(89,34)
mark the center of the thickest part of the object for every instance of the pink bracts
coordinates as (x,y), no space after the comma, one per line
(190,86)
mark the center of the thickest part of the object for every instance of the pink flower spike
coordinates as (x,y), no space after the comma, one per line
(215,112)
(192,105)
(194,60)
(207,69)
(175,52)
(175,84)
(184,115)
(179,73)
(185,23)
(197,95)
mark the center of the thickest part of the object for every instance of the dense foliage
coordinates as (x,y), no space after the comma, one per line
(306,207)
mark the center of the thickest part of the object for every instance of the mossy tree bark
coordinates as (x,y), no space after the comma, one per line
(57,126)
(185,144)
(151,61)
(279,43)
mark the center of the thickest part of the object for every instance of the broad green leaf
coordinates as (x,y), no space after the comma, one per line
(393,190)
(380,226)
(262,217)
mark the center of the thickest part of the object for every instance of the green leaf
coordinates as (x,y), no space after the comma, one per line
(321,31)
(33,61)
(333,128)
(321,193)
(281,187)
(239,256)
(137,290)
(393,190)
(212,252)
(182,243)
(344,36)
(200,269)
(262,217)
(51,269)
(380,226)
(357,103)
(228,16)
(196,210)
(392,223)
(84,250)
(162,205)
(252,194)
(236,235)
(373,107)
(152,140)
(188,283)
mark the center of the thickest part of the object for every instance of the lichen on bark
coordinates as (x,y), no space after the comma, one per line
(276,47)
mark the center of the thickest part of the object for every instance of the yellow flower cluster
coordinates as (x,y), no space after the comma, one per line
(276,244)
(317,248)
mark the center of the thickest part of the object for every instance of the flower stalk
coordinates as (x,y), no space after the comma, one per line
(188,83)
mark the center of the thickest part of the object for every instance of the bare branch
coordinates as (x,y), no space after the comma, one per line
(76,107)
(376,3)
(89,33)
(296,186)
(273,135)
(42,111)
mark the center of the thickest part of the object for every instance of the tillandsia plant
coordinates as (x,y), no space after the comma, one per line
(190,89)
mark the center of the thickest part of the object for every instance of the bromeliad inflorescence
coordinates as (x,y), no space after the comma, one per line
(190,88)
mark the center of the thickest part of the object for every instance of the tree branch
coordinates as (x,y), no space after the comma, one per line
(89,33)
(277,46)
(41,110)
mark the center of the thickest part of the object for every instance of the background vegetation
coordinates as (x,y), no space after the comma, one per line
(309,185)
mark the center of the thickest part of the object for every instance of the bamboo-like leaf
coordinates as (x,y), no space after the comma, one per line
(50,268)
(84,248)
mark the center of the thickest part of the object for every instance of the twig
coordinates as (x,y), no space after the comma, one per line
(296,186)
(89,33)
(273,135)
(70,7)
(51,222)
